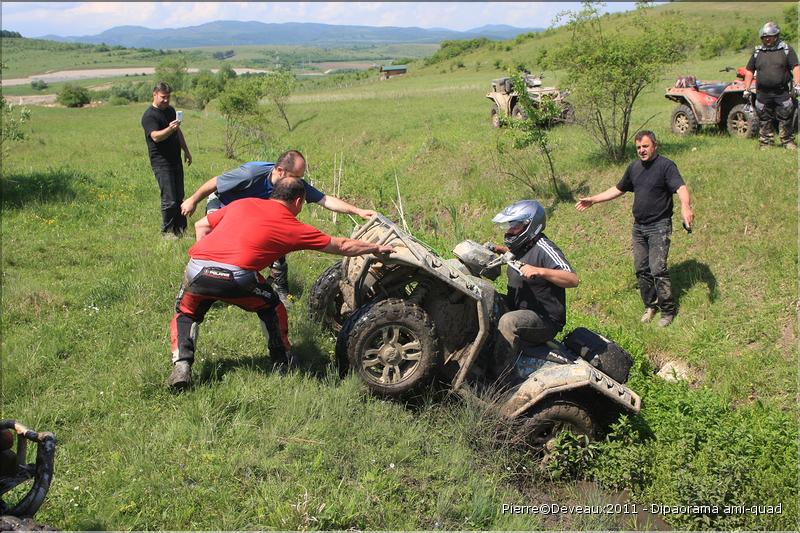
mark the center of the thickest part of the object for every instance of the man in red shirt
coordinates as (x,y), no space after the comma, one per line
(241,239)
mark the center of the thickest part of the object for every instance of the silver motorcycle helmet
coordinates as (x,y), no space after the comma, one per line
(769,29)
(524,221)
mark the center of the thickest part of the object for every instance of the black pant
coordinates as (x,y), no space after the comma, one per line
(772,107)
(170,181)
(650,251)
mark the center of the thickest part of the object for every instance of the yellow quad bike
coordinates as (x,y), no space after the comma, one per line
(415,320)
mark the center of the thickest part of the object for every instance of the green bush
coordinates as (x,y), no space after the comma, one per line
(38,85)
(73,96)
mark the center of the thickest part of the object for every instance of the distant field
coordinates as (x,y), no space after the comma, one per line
(25,57)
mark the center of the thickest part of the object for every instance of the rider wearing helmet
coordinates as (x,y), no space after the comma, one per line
(776,65)
(536,298)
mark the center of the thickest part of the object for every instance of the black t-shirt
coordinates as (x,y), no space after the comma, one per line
(653,184)
(546,299)
(773,66)
(168,151)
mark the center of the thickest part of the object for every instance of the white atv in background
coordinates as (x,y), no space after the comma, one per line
(414,319)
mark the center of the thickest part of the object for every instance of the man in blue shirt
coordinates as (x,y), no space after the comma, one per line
(256,179)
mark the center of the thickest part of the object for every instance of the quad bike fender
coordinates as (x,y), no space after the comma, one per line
(702,105)
(569,377)
(503,101)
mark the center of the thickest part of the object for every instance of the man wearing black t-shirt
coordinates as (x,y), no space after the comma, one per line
(776,65)
(164,143)
(653,180)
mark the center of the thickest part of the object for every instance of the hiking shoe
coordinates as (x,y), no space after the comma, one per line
(181,376)
(790,146)
(648,315)
(666,320)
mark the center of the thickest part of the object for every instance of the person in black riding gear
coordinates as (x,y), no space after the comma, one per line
(776,65)
(536,297)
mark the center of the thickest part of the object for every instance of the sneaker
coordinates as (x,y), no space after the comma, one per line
(181,376)
(648,315)
(790,146)
(666,320)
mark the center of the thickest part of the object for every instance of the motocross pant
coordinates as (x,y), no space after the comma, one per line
(772,107)
(650,250)
(279,269)
(206,282)
(515,328)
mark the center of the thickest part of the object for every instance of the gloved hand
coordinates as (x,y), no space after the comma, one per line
(489,245)
(749,96)
(796,90)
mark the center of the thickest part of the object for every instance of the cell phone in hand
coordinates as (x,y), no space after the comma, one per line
(179,116)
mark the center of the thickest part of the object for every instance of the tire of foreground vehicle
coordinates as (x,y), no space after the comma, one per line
(546,420)
(683,121)
(393,347)
(740,123)
(325,299)
(13,523)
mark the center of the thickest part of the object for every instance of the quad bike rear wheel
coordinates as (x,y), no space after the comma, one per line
(325,300)
(551,417)
(741,123)
(683,121)
(495,116)
(393,347)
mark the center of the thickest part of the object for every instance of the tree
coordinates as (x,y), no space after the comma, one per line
(608,70)
(243,117)
(530,129)
(206,87)
(73,96)
(12,118)
(173,70)
(278,87)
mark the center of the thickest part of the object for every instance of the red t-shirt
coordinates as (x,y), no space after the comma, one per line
(251,233)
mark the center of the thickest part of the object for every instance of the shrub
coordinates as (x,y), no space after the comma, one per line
(73,96)
(38,85)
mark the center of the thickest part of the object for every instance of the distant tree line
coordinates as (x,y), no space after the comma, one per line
(6,33)
(223,55)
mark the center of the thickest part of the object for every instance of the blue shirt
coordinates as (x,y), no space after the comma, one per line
(252,180)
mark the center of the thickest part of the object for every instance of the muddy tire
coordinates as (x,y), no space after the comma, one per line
(740,123)
(546,420)
(495,116)
(683,121)
(518,113)
(325,299)
(393,347)
(567,114)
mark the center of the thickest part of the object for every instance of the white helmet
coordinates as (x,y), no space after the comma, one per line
(528,212)
(769,29)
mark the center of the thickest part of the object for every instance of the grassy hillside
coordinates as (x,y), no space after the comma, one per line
(88,291)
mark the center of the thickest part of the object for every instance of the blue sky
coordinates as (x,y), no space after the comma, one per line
(34,19)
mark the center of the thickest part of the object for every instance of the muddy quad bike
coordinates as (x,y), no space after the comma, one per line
(411,320)
(15,472)
(712,102)
(505,100)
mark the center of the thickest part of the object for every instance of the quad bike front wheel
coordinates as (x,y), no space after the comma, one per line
(683,121)
(547,420)
(741,123)
(518,113)
(325,300)
(392,345)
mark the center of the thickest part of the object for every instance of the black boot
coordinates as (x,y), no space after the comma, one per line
(280,281)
